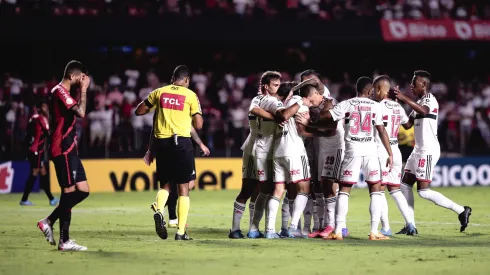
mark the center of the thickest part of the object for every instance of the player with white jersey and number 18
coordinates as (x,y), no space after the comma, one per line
(393,116)
(360,114)
(249,170)
(421,163)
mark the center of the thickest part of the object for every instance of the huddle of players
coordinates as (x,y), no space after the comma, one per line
(343,139)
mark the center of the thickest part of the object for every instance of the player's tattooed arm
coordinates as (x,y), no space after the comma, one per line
(259,112)
(80,109)
(409,124)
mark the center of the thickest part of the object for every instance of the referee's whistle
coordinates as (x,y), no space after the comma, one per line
(176,141)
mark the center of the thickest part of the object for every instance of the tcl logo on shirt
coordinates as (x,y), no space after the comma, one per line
(172,101)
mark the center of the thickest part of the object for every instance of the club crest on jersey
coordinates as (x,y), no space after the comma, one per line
(172,101)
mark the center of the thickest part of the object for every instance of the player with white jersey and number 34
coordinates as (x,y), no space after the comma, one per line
(360,114)
(421,163)
(393,116)
(249,169)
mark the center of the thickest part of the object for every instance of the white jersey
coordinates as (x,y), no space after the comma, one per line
(248,145)
(393,116)
(361,115)
(266,128)
(426,126)
(337,139)
(288,141)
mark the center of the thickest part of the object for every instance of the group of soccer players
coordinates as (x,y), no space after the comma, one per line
(295,126)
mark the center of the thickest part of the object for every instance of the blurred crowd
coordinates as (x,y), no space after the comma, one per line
(320,9)
(110,128)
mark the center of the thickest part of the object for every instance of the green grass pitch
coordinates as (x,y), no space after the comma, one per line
(118,229)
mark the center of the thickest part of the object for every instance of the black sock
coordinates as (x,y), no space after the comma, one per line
(28,188)
(172,204)
(44,182)
(67,202)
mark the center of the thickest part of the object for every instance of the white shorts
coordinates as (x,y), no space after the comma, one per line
(394,177)
(353,166)
(329,161)
(291,169)
(264,169)
(421,164)
(249,168)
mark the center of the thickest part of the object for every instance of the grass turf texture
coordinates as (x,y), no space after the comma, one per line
(118,229)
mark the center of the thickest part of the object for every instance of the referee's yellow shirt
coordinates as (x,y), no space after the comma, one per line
(406,137)
(175,106)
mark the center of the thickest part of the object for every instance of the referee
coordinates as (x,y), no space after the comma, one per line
(177,110)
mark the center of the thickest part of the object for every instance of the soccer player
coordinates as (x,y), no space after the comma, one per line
(178,109)
(249,169)
(269,85)
(36,134)
(393,116)
(312,145)
(421,163)
(360,114)
(64,152)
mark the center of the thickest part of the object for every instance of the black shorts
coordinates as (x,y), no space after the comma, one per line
(69,169)
(36,160)
(175,163)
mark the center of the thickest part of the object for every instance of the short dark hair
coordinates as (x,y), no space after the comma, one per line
(266,78)
(180,73)
(72,67)
(40,103)
(309,72)
(306,90)
(381,78)
(362,82)
(422,73)
(285,88)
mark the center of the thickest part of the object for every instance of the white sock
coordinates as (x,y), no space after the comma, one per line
(291,210)
(385,223)
(260,204)
(251,210)
(341,209)
(285,213)
(238,210)
(375,208)
(299,206)
(402,204)
(272,214)
(307,213)
(440,200)
(320,201)
(408,194)
(330,211)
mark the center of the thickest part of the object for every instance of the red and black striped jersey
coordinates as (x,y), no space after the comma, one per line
(63,136)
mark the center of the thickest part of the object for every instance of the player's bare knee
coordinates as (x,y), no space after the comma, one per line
(409,179)
(83,186)
(183,190)
(35,172)
(374,187)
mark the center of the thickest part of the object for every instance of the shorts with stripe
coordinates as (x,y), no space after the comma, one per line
(69,169)
(329,162)
(291,169)
(352,167)
(249,168)
(36,160)
(422,163)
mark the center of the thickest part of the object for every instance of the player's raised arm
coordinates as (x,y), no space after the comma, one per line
(80,109)
(259,112)
(420,109)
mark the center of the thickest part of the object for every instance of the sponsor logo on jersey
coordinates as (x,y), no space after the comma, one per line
(366,139)
(390,105)
(355,102)
(347,173)
(294,172)
(373,173)
(172,101)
